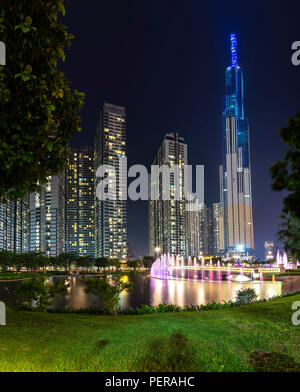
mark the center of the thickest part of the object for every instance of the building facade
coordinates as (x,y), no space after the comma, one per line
(47,218)
(199,230)
(111,214)
(218,229)
(167,219)
(14,226)
(270,251)
(235,173)
(80,202)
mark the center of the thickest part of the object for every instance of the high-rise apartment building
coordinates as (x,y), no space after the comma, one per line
(14,226)
(47,218)
(80,202)
(218,229)
(270,250)
(235,178)
(199,230)
(111,215)
(167,220)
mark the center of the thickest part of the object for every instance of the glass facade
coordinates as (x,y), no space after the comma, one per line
(235,173)
(167,219)
(80,202)
(111,215)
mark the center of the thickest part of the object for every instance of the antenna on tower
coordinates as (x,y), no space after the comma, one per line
(233,50)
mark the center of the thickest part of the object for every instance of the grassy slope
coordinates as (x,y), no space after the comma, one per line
(223,339)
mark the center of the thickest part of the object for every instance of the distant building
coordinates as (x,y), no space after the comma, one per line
(80,202)
(218,229)
(130,253)
(167,221)
(194,230)
(111,215)
(270,250)
(14,226)
(199,230)
(47,218)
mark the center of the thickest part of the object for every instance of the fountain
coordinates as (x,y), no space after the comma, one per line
(240,278)
(195,268)
(282,261)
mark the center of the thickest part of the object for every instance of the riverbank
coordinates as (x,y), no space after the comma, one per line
(290,284)
(221,340)
(19,276)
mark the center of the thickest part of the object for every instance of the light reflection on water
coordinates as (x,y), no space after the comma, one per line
(152,291)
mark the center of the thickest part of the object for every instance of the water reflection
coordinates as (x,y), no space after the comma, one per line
(152,291)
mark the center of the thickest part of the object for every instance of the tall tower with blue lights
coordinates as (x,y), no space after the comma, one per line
(235,173)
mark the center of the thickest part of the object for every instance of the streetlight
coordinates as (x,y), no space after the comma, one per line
(157,250)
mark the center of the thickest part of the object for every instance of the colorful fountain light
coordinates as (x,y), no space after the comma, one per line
(283,260)
(195,268)
(160,267)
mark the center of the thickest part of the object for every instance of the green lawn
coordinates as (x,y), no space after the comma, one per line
(290,273)
(220,340)
(17,275)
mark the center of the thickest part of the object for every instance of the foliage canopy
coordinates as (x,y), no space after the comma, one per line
(38,109)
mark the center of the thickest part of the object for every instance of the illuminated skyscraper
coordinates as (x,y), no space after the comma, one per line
(235,173)
(218,228)
(111,215)
(47,218)
(270,250)
(14,226)
(167,220)
(199,230)
(80,202)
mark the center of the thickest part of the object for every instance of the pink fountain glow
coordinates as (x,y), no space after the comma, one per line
(283,260)
(173,267)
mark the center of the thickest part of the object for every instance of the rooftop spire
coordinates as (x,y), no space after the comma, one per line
(233,50)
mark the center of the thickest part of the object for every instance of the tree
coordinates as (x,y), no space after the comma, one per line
(84,262)
(285,175)
(65,260)
(39,294)
(109,294)
(115,263)
(101,262)
(134,263)
(148,261)
(38,109)
(29,260)
(5,260)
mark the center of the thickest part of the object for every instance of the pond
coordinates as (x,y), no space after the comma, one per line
(152,291)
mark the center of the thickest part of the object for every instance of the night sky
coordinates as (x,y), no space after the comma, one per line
(165,60)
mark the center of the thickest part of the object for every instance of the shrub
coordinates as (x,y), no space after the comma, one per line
(37,294)
(246,296)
